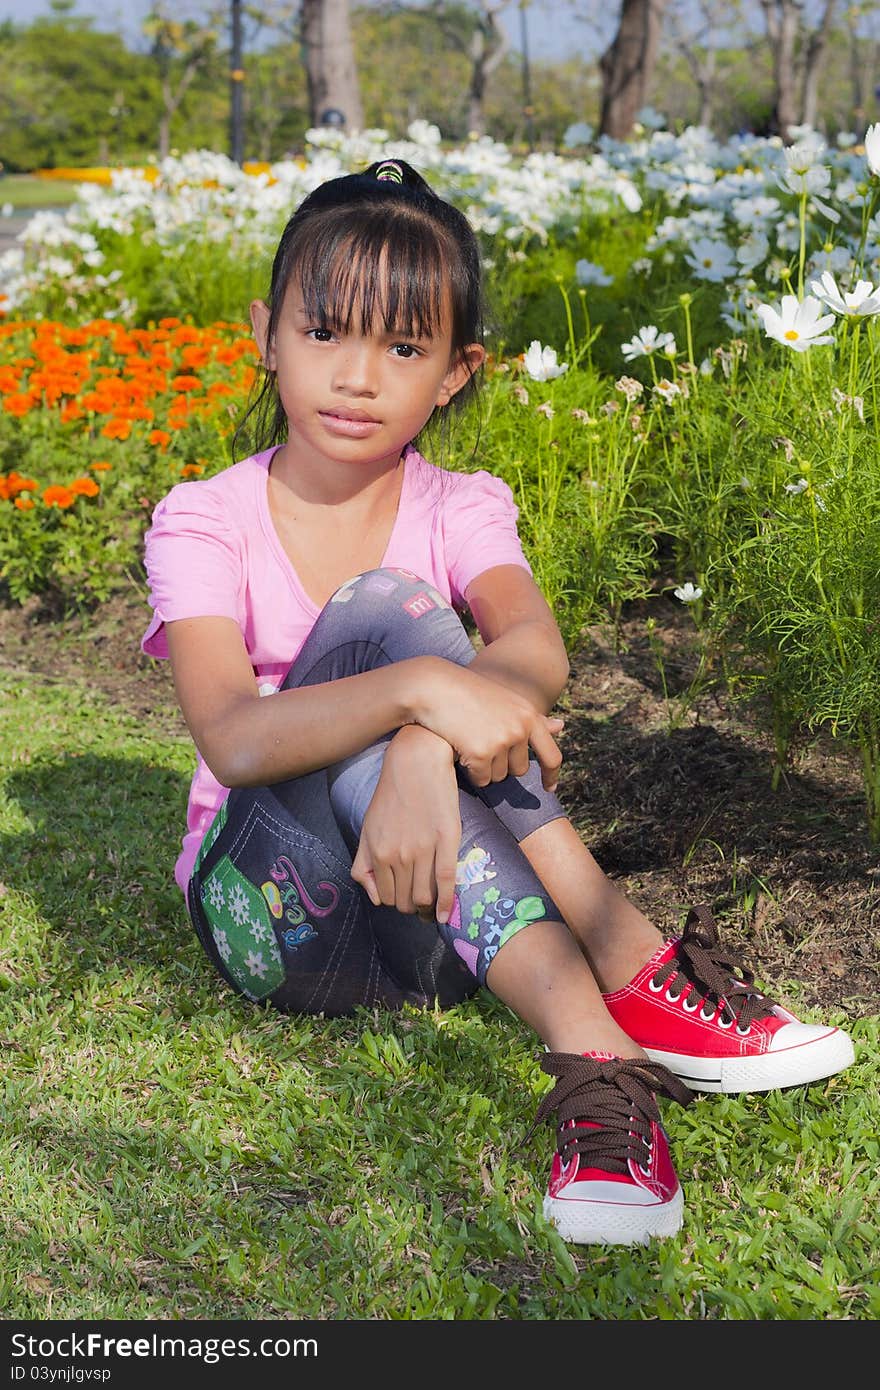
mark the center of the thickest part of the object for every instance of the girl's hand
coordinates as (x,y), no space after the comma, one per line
(411,833)
(489,727)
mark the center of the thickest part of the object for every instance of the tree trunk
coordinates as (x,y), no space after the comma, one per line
(815,54)
(328,54)
(627,65)
(783,22)
(488,46)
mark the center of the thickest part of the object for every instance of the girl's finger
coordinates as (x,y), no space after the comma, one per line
(384,885)
(518,760)
(548,755)
(364,875)
(424,889)
(403,889)
(444,869)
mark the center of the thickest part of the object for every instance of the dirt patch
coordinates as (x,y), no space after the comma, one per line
(675,803)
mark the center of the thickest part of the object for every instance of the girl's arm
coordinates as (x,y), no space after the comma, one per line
(523,647)
(249,741)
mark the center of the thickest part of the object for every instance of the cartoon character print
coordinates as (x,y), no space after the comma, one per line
(492,919)
(291,900)
(473,868)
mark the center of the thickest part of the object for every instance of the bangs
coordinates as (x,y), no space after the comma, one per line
(380,277)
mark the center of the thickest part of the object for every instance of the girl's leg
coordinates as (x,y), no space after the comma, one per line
(616,938)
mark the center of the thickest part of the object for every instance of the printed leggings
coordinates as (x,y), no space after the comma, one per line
(271,895)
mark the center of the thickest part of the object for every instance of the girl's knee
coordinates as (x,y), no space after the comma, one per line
(389,603)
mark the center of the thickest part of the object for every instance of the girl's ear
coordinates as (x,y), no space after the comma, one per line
(467,361)
(260,312)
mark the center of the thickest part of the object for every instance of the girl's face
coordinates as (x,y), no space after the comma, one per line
(357,395)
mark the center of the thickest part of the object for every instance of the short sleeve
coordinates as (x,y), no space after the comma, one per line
(479,524)
(192,561)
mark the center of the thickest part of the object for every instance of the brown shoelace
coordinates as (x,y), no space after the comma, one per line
(617,1095)
(707,973)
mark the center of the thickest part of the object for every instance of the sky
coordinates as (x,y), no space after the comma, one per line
(552,30)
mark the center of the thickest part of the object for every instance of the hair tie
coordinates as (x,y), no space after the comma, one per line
(389,170)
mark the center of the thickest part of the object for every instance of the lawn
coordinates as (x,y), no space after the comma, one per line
(30,191)
(170,1151)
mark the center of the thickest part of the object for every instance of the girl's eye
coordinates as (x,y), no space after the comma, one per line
(321,335)
(405,350)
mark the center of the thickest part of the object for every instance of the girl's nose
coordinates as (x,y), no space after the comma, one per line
(355,370)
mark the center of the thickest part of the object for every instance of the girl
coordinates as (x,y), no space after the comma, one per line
(382,828)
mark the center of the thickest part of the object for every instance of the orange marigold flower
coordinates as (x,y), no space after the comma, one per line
(15,483)
(101,466)
(160,437)
(192,470)
(19,404)
(84,487)
(24,504)
(58,496)
(70,411)
(194,356)
(169,323)
(116,429)
(185,383)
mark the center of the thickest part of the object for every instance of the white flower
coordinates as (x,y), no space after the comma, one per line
(800,486)
(872,148)
(817,180)
(753,250)
(648,340)
(588,273)
(710,259)
(804,154)
(688,593)
(546,409)
(581,133)
(631,388)
(667,390)
(541,364)
(650,118)
(797,323)
(860,303)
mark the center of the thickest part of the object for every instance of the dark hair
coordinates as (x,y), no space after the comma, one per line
(386,249)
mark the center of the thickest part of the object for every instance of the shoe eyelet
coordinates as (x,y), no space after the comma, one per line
(721,1023)
(655,989)
(690,1008)
(744,1032)
(673,998)
(710,1014)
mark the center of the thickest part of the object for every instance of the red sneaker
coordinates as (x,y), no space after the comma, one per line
(694,1008)
(612,1180)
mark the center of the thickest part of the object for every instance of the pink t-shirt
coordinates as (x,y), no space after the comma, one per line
(213,551)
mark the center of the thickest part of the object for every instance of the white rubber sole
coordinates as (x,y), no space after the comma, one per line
(767,1071)
(606,1223)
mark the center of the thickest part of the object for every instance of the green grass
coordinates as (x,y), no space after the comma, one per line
(170,1151)
(28,191)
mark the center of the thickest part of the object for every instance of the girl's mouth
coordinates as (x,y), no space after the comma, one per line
(351,423)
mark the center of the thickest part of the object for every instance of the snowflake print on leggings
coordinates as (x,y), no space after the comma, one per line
(241,926)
